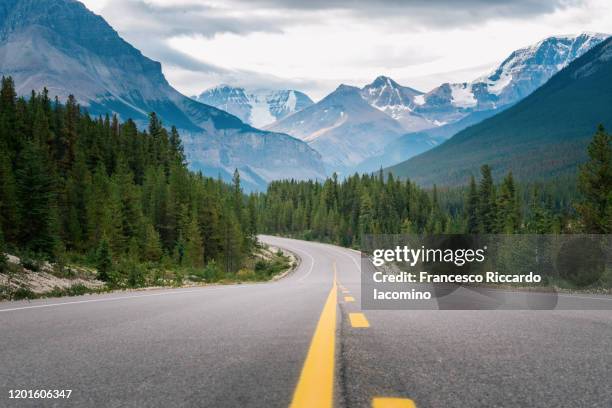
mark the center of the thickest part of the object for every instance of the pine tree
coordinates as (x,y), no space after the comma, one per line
(237,191)
(8,115)
(508,207)
(9,211)
(472,207)
(487,213)
(104,261)
(194,246)
(152,248)
(365,216)
(540,218)
(36,197)
(176,146)
(595,185)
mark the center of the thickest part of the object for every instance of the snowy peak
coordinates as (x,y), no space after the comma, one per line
(259,107)
(520,74)
(343,127)
(396,101)
(384,92)
(535,64)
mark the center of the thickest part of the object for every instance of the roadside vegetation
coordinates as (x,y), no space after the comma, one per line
(32,278)
(93,194)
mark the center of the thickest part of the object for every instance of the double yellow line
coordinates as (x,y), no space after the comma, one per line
(315,388)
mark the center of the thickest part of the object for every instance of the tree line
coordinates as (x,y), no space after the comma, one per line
(343,211)
(120,198)
(98,191)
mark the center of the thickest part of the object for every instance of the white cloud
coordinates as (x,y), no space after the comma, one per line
(315,45)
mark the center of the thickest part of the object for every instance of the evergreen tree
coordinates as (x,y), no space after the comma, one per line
(540,218)
(152,248)
(366,222)
(176,146)
(472,207)
(508,207)
(487,209)
(37,201)
(194,246)
(69,182)
(237,190)
(9,211)
(595,185)
(104,261)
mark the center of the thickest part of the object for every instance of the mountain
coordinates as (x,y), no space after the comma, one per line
(360,140)
(414,143)
(343,127)
(256,107)
(62,45)
(396,101)
(517,76)
(541,137)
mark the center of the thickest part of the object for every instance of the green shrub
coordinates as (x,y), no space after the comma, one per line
(78,290)
(23,293)
(30,263)
(211,273)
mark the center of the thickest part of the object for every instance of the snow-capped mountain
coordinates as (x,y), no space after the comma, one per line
(542,137)
(61,45)
(517,76)
(343,127)
(259,107)
(396,101)
(352,128)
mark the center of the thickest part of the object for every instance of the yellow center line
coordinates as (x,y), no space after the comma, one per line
(349,299)
(392,403)
(315,387)
(358,320)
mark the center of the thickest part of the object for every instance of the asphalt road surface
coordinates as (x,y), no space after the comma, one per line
(301,341)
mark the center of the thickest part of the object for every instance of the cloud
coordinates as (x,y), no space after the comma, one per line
(316,44)
(139,16)
(422,13)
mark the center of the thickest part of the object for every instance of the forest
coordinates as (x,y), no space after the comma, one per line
(342,211)
(93,191)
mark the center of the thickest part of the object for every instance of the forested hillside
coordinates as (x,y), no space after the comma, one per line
(542,137)
(105,193)
(343,211)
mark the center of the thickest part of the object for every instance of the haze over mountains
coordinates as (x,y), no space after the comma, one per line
(61,45)
(541,137)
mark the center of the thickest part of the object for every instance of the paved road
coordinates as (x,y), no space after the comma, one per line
(266,345)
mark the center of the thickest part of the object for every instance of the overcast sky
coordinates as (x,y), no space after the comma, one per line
(314,45)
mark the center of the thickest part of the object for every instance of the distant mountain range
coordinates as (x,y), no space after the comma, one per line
(259,107)
(524,71)
(343,127)
(541,137)
(61,45)
(360,140)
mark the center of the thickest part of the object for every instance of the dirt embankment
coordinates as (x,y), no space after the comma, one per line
(24,278)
